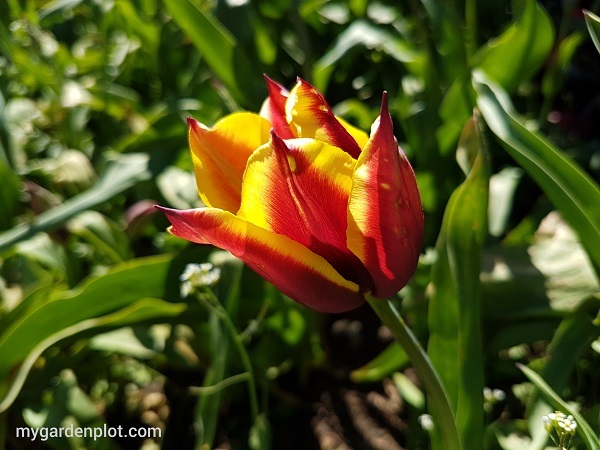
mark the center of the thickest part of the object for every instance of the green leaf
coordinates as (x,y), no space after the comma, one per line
(220,50)
(593,25)
(516,55)
(585,430)
(454,309)
(119,175)
(390,360)
(566,184)
(140,311)
(45,315)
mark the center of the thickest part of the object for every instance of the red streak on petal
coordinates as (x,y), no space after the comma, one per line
(274,108)
(389,207)
(297,272)
(314,113)
(308,207)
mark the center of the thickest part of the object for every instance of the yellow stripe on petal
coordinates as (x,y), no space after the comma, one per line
(385,218)
(298,272)
(220,155)
(359,135)
(310,116)
(300,188)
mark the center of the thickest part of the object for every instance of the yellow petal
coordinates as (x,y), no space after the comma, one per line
(220,155)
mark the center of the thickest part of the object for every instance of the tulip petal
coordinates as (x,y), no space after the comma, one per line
(220,155)
(385,219)
(300,188)
(309,116)
(357,134)
(299,273)
(273,109)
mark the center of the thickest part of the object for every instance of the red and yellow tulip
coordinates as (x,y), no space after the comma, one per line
(315,206)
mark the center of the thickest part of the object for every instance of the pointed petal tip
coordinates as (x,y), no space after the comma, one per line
(193,123)
(169,212)
(277,94)
(385,118)
(384,100)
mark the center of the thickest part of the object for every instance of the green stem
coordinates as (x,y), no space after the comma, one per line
(239,345)
(439,402)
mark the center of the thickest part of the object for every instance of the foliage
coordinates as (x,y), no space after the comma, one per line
(495,105)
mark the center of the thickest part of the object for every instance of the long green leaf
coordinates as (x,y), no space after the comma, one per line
(454,309)
(569,188)
(139,311)
(48,313)
(120,175)
(584,429)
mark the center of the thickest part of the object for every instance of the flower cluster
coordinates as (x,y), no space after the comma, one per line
(315,206)
(560,427)
(196,276)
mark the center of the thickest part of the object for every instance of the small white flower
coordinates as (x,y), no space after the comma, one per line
(197,276)
(560,427)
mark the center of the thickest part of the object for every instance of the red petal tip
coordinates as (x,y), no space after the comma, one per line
(385,119)
(192,123)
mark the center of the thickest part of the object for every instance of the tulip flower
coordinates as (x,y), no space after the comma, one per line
(315,206)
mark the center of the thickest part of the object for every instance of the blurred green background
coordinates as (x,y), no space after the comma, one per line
(93,328)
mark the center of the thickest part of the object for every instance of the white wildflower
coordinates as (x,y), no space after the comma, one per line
(197,276)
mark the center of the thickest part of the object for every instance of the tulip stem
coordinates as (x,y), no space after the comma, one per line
(441,410)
